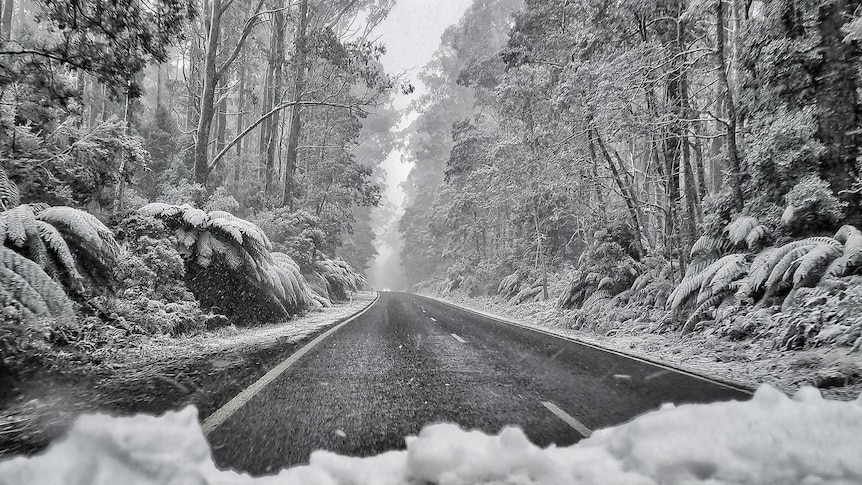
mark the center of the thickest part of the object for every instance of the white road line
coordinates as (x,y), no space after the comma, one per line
(459,338)
(574,423)
(224,413)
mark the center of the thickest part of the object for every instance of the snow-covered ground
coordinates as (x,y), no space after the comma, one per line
(747,362)
(158,349)
(771,439)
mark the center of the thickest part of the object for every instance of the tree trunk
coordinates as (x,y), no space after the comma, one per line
(629,198)
(736,175)
(277,68)
(221,131)
(294,126)
(240,106)
(6,21)
(207,109)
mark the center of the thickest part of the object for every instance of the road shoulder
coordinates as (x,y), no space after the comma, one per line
(746,364)
(157,374)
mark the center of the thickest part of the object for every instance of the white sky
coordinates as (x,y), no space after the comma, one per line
(411,34)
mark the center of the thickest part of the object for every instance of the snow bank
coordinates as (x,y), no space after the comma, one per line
(771,439)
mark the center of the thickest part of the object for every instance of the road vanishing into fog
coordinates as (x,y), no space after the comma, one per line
(409,361)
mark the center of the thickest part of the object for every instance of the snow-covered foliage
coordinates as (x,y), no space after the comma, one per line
(336,279)
(229,264)
(771,439)
(72,246)
(605,270)
(737,268)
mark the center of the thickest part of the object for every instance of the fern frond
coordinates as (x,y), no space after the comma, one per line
(9,194)
(777,275)
(698,266)
(853,251)
(20,223)
(698,313)
(688,286)
(640,282)
(845,232)
(606,283)
(33,287)
(221,215)
(227,227)
(734,267)
(85,229)
(813,265)
(206,247)
(706,244)
(836,269)
(758,271)
(756,236)
(778,254)
(740,228)
(58,247)
(156,209)
(595,298)
(195,217)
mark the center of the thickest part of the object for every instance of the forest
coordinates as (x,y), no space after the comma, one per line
(673,166)
(176,166)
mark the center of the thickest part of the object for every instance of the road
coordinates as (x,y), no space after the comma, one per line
(409,361)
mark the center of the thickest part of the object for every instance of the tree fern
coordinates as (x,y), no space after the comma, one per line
(756,236)
(757,271)
(738,230)
(814,264)
(233,255)
(777,274)
(93,244)
(33,288)
(701,309)
(687,287)
(509,285)
(9,195)
(776,256)
(853,251)
(735,267)
(845,232)
(342,278)
(67,243)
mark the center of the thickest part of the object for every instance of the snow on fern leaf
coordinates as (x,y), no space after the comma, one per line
(740,228)
(812,265)
(756,236)
(59,248)
(9,193)
(845,232)
(853,251)
(33,287)
(195,217)
(704,245)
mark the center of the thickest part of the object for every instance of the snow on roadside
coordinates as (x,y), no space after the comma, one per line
(161,348)
(746,362)
(770,439)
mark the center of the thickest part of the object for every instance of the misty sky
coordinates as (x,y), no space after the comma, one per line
(411,34)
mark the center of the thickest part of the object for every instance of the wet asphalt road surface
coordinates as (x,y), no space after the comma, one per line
(410,361)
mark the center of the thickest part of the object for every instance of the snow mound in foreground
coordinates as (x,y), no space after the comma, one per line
(771,439)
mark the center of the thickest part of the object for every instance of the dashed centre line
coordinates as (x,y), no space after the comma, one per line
(568,419)
(455,335)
